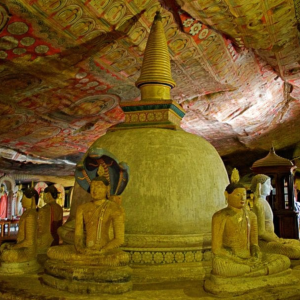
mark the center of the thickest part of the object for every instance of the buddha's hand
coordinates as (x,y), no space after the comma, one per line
(255,251)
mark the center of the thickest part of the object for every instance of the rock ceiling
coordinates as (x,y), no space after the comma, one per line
(65,65)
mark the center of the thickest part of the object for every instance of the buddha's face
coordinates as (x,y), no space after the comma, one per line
(98,190)
(26,202)
(237,198)
(266,188)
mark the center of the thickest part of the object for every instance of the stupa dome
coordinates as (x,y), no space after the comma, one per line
(177,181)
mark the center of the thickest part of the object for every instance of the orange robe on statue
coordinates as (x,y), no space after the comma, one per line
(3,206)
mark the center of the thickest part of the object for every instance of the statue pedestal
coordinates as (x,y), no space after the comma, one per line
(235,286)
(81,278)
(19,267)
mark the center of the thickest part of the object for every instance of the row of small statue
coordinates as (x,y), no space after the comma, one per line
(37,229)
(243,241)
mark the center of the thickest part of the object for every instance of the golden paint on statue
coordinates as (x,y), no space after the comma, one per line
(21,257)
(237,259)
(268,240)
(49,220)
(99,231)
(95,218)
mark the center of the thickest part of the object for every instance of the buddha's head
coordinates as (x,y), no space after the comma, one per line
(30,198)
(50,194)
(100,188)
(236,195)
(261,185)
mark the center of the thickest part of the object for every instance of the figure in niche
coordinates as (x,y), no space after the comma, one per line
(3,203)
(99,232)
(14,202)
(115,13)
(236,253)
(60,201)
(25,248)
(19,207)
(50,219)
(268,240)
(69,15)
(82,27)
(41,200)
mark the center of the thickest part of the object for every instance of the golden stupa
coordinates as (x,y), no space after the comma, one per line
(177,179)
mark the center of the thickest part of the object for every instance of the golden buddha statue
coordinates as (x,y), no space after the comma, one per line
(99,231)
(268,240)
(236,254)
(49,220)
(92,230)
(21,257)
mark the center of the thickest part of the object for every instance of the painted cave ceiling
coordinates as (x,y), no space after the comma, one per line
(65,65)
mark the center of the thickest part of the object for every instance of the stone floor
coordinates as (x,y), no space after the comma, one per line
(30,287)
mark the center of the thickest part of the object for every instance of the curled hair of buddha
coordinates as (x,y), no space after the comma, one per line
(232,186)
(260,178)
(31,192)
(52,190)
(101,178)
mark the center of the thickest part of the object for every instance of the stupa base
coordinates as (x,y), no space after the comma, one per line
(235,286)
(170,273)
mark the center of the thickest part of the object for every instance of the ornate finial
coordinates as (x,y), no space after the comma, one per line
(235,176)
(157,16)
(156,80)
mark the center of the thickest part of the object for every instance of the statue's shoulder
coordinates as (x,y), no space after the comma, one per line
(116,207)
(225,212)
(87,205)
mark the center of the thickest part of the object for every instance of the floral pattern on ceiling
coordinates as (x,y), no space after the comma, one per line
(65,65)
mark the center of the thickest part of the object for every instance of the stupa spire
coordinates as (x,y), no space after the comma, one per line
(156,80)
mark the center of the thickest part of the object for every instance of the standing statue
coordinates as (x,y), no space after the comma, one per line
(50,219)
(21,257)
(99,232)
(3,203)
(237,258)
(268,240)
(19,207)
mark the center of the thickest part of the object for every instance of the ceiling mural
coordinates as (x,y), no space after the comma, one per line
(66,65)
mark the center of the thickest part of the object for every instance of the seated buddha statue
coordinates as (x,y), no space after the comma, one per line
(268,240)
(50,218)
(237,258)
(235,241)
(99,231)
(25,250)
(92,229)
